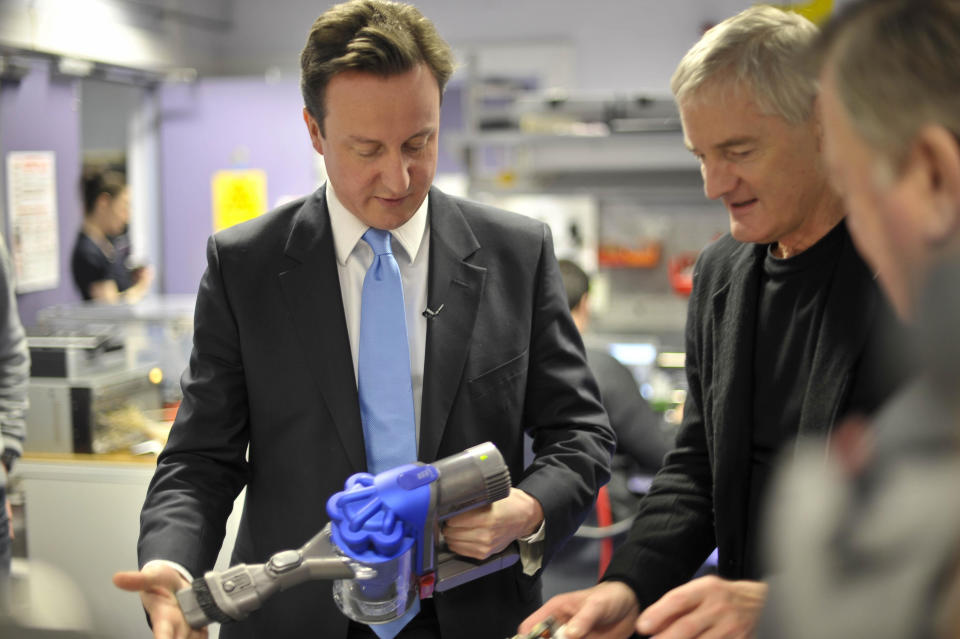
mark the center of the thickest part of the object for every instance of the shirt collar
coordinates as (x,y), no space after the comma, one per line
(348,229)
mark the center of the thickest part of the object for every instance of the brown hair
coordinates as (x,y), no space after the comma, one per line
(375,36)
(95,182)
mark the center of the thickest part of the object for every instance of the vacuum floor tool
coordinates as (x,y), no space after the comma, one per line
(382,548)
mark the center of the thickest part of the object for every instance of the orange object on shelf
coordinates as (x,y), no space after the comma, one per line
(170,410)
(614,255)
(680,272)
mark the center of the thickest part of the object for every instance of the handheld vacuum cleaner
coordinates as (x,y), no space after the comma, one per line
(382,547)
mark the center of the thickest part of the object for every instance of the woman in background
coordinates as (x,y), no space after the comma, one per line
(99,268)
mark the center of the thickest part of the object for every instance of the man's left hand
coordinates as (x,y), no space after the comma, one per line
(482,532)
(705,607)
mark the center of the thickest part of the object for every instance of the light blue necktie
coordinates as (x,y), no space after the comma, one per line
(383,378)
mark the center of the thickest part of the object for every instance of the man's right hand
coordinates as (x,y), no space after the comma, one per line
(158,585)
(608,610)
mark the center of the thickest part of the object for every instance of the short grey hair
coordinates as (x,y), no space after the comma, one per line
(760,48)
(895,69)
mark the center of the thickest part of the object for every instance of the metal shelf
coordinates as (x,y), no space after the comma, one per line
(530,155)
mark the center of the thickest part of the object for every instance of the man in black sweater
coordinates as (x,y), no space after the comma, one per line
(786,334)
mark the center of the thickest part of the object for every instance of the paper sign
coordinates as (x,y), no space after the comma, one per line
(34,230)
(238,196)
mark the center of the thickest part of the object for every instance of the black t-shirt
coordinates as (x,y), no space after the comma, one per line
(793,293)
(90,264)
(121,248)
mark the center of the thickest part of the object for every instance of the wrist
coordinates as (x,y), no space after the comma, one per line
(534,513)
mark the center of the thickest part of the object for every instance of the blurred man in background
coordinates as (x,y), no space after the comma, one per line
(640,439)
(868,544)
(642,443)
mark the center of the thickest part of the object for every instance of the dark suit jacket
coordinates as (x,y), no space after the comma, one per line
(271,369)
(698,500)
(640,440)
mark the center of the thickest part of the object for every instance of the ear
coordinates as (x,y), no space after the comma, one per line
(581,313)
(313,128)
(936,153)
(582,305)
(102,202)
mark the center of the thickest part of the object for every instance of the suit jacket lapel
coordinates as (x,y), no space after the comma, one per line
(734,310)
(311,288)
(457,285)
(844,328)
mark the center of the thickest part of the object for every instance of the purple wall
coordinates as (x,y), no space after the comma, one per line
(40,114)
(202,127)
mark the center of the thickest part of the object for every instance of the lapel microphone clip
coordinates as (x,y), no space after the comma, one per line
(429,314)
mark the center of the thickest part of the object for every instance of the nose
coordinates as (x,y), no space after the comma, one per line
(718,178)
(395,173)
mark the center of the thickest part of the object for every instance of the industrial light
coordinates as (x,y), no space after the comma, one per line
(633,353)
(671,360)
(75,67)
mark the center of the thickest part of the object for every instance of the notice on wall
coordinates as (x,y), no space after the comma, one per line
(34,231)
(238,196)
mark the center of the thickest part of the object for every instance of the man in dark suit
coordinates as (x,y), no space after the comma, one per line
(641,443)
(786,333)
(270,395)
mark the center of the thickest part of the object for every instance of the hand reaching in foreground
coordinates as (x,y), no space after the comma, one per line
(706,607)
(157,585)
(606,611)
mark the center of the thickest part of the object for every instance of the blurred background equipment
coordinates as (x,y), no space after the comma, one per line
(84,398)
(45,603)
